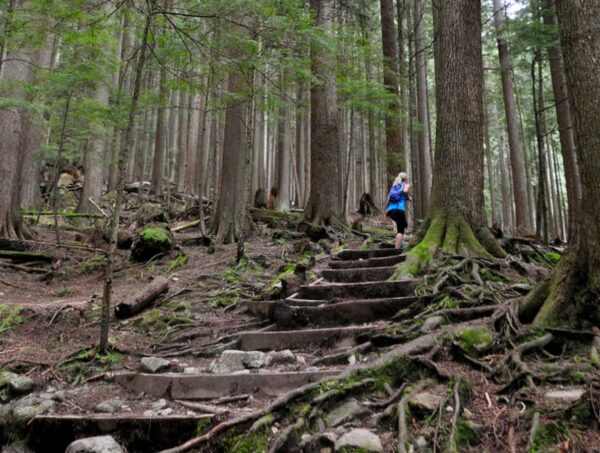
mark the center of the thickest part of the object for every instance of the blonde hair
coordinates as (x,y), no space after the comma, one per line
(402,177)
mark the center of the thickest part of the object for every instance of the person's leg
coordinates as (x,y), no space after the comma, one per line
(399,238)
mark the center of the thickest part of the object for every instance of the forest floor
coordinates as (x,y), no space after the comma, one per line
(456,363)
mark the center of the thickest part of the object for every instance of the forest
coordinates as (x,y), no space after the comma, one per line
(307,226)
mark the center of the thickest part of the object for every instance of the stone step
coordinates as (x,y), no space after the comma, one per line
(208,386)
(338,314)
(337,337)
(370,262)
(354,254)
(359,274)
(363,290)
(53,433)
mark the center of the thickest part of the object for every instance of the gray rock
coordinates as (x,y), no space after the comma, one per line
(565,395)
(312,369)
(154,364)
(345,412)
(427,401)
(98,444)
(109,406)
(284,357)
(431,324)
(160,404)
(360,438)
(233,360)
(16,383)
(31,406)
(420,442)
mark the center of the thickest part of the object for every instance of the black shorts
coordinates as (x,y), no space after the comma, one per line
(399,217)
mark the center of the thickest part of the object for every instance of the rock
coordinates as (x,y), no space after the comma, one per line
(431,324)
(427,401)
(233,360)
(165,412)
(98,444)
(565,395)
(421,442)
(312,369)
(29,407)
(345,412)
(109,406)
(153,364)
(301,360)
(65,180)
(475,339)
(152,240)
(360,438)
(160,404)
(281,357)
(149,213)
(190,370)
(17,384)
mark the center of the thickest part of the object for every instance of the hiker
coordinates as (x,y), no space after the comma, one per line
(396,207)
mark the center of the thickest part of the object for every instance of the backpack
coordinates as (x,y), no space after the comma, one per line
(397,193)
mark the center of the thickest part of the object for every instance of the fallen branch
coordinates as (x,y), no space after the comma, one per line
(24,257)
(29,269)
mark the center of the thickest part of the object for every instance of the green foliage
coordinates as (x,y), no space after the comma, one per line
(10,317)
(155,234)
(179,261)
(222,299)
(548,437)
(160,319)
(288,270)
(63,292)
(553,257)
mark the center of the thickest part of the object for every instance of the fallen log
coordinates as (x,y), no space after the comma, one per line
(24,257)
(143,299)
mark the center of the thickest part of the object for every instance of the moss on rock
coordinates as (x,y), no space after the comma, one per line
(152,240)
(474,339)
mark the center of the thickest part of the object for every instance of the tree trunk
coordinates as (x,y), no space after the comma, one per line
(283,154)
(563,117)
(571,294)
(456,221)
(123,155)
(231,211)
(160,135)
(325,201)
(389,34)
(423,138)
(540,132)
(516,153)
(92,162)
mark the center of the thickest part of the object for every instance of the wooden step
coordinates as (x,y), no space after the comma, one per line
(53,433)
(371,262)
(356,275)
(293,339)
(365,290)
(206,386)
(339,314)
(354,254)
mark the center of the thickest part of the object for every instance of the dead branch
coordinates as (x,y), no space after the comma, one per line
(141,300)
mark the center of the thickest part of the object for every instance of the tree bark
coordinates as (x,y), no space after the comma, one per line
(423,136)
(563,117)
(393,139)
(325,201)
(517,160)
(229,220)
(456,221)
(571,294)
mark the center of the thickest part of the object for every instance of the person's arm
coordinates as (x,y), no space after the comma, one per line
(407,188)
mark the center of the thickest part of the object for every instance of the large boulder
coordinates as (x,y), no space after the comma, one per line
(98,444)
(152,240)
